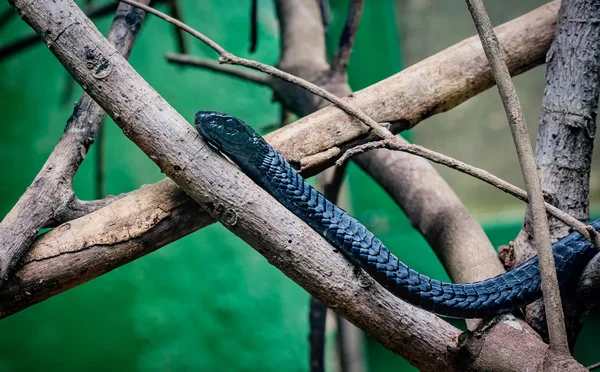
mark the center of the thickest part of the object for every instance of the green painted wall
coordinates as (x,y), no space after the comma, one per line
(182,308)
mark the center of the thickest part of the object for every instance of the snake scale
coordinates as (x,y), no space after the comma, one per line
(501,294)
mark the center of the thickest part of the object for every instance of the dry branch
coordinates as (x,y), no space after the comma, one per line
(184,165)
(87,247)
(229,195)
(209,64)
(434,85)
(565,141)
(49,198)
(520,134)
(481,174)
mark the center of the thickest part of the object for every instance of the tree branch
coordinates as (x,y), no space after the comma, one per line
(101,241)
(51,193)
(478,173)
(339,63)
(566,139)
(432,86)
(516,121)
(242,206)
(187,60)
(228,58)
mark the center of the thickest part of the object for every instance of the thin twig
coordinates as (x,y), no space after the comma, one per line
(253,26)
(209,64)
(550,289)
(175,10)
(593,366)
(228,58)
(478,173)
(340,60)
(317,320)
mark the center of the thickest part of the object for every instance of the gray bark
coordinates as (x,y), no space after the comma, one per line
(50,199)
(565,138)
(241,206)
(227,194)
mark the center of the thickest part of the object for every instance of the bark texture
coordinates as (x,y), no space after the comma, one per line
(50,198)
(229,195)
(239,204)
(565,139)
(432,86)
(518,128)
(87,247)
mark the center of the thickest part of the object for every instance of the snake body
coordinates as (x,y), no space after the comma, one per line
(501,294)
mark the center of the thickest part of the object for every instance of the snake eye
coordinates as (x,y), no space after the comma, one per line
(229,126)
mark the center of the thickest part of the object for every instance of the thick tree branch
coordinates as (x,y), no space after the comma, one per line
(296,49)
(49,197)
(566,138)
(240,205)
(235,202)
(209,64)
(92,245)
(228,58)
(434,85)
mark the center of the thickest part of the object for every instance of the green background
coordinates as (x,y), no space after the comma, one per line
(183,307)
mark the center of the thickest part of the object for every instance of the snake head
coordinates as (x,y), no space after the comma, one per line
(229,135)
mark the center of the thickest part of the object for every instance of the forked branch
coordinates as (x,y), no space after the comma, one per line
(50,198)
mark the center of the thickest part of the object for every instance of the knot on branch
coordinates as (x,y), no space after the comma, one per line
(100,65)
(227,216)
(226,58)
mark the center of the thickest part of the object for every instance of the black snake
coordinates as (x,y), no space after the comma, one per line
(501,294)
